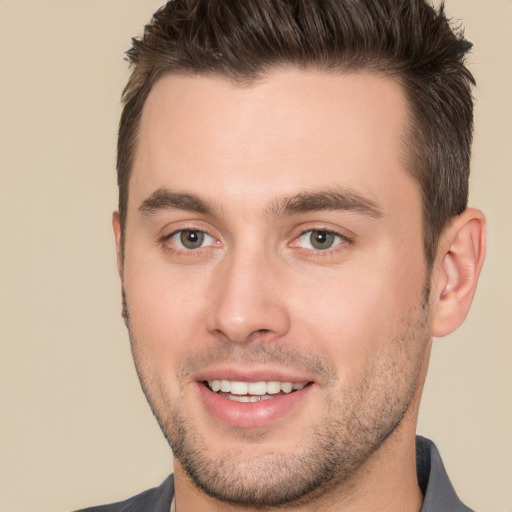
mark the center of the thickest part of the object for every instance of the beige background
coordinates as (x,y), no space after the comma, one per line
(75,428)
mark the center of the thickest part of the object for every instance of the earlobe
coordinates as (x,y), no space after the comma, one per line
(460,258)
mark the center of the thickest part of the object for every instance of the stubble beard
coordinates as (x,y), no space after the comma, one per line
(358,419)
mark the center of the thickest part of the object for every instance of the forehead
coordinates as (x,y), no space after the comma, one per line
(291,131)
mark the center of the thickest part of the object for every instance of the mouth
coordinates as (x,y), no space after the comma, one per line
(239,391)
(251,398)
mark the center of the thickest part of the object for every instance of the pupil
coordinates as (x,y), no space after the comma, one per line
(322,239)
(192,239)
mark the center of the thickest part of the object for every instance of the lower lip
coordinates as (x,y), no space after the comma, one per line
(250,414)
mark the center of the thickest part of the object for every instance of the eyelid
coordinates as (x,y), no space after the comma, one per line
(178,248)
(175,238)
(344,239)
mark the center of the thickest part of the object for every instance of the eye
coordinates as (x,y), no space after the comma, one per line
(320,240)
(191,239)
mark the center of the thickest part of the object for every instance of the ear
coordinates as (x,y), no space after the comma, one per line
(460,256)
(118,236)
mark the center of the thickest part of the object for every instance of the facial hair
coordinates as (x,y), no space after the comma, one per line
(358,418)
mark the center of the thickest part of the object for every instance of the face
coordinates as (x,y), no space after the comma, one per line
(275,278)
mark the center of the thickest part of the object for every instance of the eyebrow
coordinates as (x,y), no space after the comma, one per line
(306,202)
(330,200)
(164,199)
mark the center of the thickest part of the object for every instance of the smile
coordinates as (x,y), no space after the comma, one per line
(252,398)
(239,391)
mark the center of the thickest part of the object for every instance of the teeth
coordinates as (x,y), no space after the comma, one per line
(286,387)
(256,389)
(247,398)
(273,387)
(238,388)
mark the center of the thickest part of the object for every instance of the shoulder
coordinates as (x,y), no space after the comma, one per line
(157,499)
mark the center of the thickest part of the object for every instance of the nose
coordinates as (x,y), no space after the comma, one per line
(248,299)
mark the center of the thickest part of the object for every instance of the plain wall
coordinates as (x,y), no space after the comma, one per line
(75,427)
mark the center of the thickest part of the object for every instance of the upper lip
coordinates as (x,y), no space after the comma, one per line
(263,374)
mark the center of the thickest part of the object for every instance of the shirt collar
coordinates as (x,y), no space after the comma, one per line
(437,489)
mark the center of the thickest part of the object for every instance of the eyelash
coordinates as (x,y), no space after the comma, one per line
(173,250)
(343,241)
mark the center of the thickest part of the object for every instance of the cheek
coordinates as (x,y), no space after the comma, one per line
(166,308)
(358,315)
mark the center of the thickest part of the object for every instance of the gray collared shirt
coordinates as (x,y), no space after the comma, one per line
(439,494)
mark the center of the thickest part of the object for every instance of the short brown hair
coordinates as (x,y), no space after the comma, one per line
(242,40)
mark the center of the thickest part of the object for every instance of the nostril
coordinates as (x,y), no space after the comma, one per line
(261,331)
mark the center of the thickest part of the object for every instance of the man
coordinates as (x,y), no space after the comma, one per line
(292,232)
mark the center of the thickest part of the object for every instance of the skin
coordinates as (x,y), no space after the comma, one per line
(258,299)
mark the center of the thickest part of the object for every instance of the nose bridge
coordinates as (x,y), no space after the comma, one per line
(246,296)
